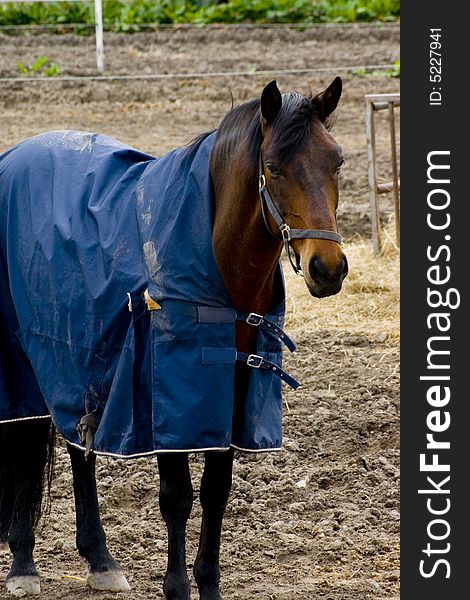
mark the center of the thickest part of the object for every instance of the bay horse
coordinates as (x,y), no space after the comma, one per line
(274,170)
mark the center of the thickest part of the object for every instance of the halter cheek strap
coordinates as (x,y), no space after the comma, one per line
(287,233)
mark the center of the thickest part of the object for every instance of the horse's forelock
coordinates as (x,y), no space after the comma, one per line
(292,126)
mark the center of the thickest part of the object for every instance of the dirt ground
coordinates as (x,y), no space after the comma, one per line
(320,519)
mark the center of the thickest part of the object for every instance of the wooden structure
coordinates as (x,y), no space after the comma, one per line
(374,103)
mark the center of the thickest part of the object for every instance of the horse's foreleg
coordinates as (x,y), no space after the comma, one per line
(23,577)
(105,572)
(215,490)
(25,448)
(176,501)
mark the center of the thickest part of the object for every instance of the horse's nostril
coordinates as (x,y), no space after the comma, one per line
(318,268)
(320,272)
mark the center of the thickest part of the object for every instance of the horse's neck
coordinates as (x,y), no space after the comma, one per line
(247,254)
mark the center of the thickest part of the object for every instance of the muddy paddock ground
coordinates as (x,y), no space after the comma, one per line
(319,520)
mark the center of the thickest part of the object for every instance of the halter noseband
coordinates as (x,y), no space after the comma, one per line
(288,234)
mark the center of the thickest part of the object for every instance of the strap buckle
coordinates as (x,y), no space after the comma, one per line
(285,232)
(255,361)
(262,181)
(254,319)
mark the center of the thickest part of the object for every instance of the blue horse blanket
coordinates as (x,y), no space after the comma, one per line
(92,234)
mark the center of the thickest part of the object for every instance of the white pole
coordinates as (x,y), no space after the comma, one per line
(99,36)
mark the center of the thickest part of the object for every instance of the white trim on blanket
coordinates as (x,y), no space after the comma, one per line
(252,451)
(152,452)
(184,451)
(25,419)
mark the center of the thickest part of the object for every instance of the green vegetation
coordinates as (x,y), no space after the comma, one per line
(394,72)
(40,67)
(121,14)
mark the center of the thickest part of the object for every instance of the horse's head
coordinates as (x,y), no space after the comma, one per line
(300,162)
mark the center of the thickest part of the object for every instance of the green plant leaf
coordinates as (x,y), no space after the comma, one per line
(39,63)
(52,70)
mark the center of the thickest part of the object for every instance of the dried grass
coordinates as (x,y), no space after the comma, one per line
(368,303)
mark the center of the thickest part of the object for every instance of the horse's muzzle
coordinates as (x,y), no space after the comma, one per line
(322,281)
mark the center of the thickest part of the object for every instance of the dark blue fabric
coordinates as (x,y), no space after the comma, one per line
(85,224)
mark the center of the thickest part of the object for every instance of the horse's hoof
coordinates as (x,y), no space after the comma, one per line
(108,581)
(25,585)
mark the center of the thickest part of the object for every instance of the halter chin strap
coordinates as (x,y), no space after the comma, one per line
(288,234)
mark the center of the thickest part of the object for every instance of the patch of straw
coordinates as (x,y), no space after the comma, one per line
(368,303)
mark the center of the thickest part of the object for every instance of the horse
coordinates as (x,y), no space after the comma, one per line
(273,170)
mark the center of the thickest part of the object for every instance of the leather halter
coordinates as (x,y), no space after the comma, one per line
(288,234)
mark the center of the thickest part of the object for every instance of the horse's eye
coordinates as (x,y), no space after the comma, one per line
(338,168)
(273,169)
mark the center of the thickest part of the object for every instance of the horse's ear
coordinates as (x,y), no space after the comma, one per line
(271,102)
(327,101)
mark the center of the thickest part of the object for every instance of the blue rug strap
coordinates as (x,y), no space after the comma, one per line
(260,321)
(256,361)
(211,314)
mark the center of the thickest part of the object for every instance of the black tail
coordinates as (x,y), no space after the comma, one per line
(26,469)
